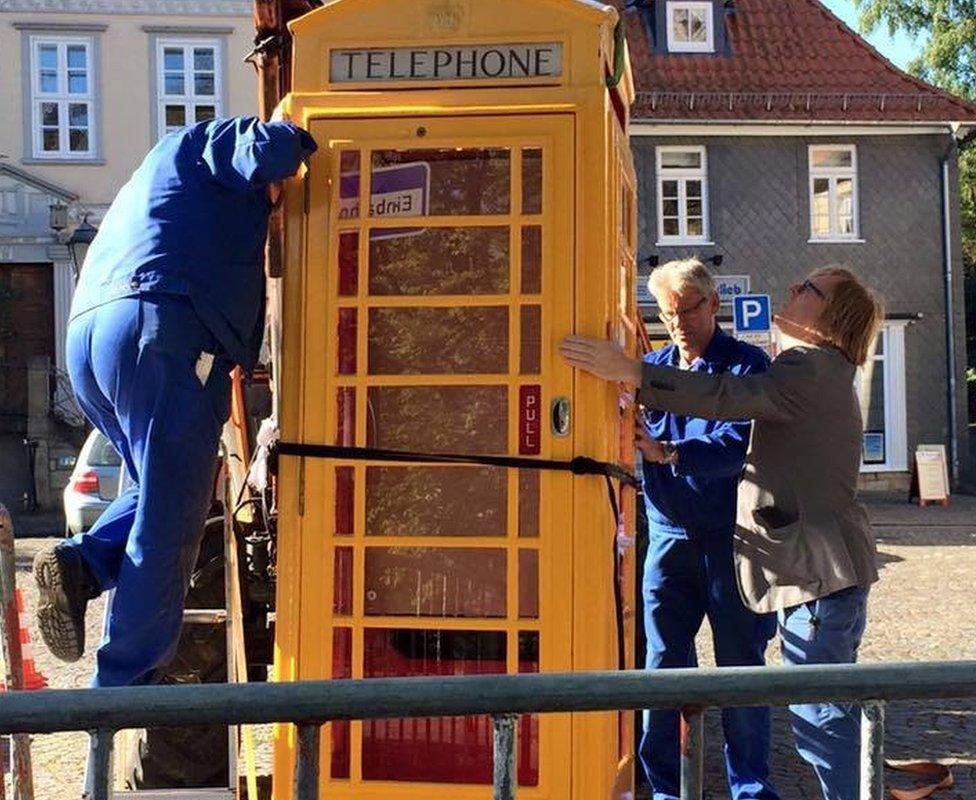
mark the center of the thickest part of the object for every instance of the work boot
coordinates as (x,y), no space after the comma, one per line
(65,585)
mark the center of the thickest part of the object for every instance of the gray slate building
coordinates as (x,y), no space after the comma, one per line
(770,140)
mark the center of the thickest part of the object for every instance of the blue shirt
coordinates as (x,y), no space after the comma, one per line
(697,495)
(192,221)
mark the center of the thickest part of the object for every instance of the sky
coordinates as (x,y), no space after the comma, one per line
(900,50)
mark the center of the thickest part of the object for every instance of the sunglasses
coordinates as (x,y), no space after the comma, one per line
(667,317)
(800,288)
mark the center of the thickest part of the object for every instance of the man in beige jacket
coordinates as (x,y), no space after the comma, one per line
(803,545)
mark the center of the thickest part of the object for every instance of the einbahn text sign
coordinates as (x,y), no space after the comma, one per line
(450,63)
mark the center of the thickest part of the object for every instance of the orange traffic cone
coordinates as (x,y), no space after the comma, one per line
(33,679)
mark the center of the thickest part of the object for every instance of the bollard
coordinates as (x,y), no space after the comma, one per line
(692,752)
(23,779)
(504,761)
(307,762)
(872,749)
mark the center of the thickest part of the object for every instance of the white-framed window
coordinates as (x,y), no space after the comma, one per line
(833,193)
(62,97)
(880,386)
(690,27)
(188,82)
(682,195)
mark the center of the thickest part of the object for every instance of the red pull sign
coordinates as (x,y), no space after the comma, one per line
(530,420)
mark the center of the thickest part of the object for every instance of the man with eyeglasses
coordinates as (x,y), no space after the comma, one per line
(691,469)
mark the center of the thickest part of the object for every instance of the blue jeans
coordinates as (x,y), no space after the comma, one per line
(685,580)
(132,364)
(828,735)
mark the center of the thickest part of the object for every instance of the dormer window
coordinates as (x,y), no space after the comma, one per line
(690,27)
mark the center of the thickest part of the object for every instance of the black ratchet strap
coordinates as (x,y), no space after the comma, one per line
(580,465)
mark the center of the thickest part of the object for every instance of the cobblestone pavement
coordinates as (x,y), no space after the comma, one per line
(923,608)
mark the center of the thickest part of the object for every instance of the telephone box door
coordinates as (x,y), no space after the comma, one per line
(439,281)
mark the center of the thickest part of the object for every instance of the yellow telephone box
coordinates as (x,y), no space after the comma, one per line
(470,204)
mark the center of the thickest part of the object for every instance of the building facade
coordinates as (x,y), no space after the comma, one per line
(771,140)
(87,88)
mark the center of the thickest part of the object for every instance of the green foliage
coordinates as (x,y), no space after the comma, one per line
(949,56)
(947,60)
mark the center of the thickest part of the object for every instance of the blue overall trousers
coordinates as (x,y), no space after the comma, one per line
(133,363)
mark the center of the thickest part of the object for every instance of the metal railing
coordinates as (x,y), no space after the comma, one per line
(311,704)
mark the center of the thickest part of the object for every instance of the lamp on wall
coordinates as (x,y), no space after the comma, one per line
(717,260)
(79,241)
(57,217)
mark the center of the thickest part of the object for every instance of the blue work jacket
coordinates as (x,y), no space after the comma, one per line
(697,495)
(192,221)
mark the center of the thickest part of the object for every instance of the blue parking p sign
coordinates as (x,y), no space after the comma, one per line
(751,313)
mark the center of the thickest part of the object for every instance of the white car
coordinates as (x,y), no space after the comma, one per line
(94,483)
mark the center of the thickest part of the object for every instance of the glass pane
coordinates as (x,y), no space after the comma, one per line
(528,506)
(203,58)
(175,116)
(173,84)
(669,190)
(348,263)
(52,141)
(683,159)
(49,82)
(435,582)
(346,416)
(77,83)
(78,140)
(349,184)
(203,84)
(670,208)
(173,59)
(444,750)
(49,113)
(845,205)
(341,668)
(696,226)
(441,261)
(530,361)
(528,577)
(342,582)
(694,208)
(878,348)
(527,740)
(446,181)
(470,340)
(671,227)
(345,478)
(348,321)
(532,259)
(77,115)
(679,25)
(439,419)
(436,501)
(699,29)
(872,395)
(832,158)
(532,181)
(821,206)
(693,189)
(77,56)
(205,113)
(47,54)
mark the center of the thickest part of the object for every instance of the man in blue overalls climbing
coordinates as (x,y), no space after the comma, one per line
(170,297)
(691,472)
